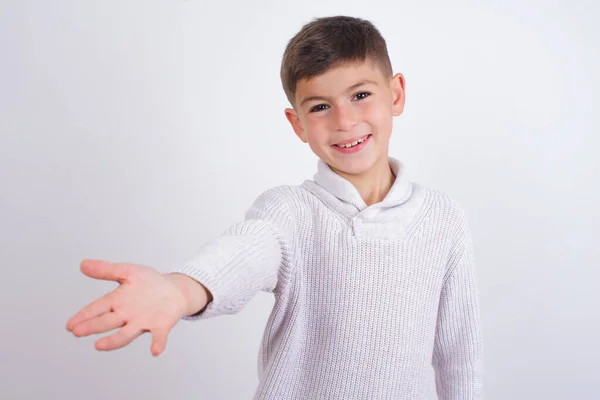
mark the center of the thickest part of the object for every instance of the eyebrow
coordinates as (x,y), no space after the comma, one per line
(351,88)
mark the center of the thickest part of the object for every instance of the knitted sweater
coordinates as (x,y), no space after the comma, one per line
(367,298)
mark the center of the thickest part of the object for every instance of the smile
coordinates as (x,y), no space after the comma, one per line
(352,143)
(353,146)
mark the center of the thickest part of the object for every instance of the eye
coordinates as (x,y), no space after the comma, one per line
(362,95)
(319,107)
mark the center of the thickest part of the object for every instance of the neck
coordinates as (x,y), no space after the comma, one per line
(373,184)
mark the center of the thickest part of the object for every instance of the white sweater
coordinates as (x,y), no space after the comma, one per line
(367,298)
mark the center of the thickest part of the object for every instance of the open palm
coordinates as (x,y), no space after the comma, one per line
(145,301)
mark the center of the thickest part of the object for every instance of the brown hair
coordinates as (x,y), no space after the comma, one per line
(328,42)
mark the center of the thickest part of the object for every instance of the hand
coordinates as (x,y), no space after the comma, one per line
(145,301)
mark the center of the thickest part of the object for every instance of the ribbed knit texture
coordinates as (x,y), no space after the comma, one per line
(367,298)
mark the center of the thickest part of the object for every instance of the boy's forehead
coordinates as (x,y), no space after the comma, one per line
(339,78)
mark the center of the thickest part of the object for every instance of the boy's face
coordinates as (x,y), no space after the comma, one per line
(350,104)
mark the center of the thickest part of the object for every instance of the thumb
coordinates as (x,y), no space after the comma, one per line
(100,269)
(159,341)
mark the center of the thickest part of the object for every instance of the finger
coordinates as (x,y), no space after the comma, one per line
(99,269)
(104,323)
(119,339)
(95,309)
(159,341)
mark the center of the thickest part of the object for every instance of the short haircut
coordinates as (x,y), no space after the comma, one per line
(329,42)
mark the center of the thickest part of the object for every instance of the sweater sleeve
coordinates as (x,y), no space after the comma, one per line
(251,256)
(457,355)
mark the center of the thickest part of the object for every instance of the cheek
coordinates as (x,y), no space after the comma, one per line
(317,132)
(380,115)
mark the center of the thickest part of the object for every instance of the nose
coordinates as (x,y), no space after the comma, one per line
(345,118)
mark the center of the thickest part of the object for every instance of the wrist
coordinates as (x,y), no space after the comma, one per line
(196,296)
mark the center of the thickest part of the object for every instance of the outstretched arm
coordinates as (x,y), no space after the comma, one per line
(223,275)
(251,256)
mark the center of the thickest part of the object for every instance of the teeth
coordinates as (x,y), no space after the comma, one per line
(348,145)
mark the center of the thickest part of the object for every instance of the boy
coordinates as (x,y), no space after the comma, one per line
(373,275)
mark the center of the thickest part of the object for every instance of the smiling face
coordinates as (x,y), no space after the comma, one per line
(345,115)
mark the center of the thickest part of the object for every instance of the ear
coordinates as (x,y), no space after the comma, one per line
(292,116)
(397,85)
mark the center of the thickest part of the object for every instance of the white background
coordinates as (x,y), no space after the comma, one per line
(136,130)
